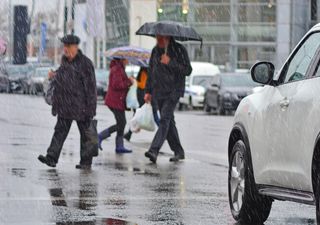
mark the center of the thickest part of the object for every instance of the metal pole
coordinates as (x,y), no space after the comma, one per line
(10,32)
(57,33)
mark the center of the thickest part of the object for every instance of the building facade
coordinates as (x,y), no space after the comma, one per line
(237,33)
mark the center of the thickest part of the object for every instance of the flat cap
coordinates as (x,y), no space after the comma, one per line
(70,39)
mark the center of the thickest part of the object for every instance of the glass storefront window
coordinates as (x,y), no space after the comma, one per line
(256,32)
(259,13)
(212,13)
(247,56)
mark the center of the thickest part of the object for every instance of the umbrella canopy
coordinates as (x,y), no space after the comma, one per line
(176,30)
(135,55)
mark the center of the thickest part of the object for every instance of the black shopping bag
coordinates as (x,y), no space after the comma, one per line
(92,138)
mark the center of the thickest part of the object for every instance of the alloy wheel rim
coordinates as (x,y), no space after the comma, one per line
(237,181)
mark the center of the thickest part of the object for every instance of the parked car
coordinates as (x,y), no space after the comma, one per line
(102,79)
(18,76)
(274,146)
(226,91)
(196,83)
(36,80)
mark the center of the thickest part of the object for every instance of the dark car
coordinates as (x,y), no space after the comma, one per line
(102,77)
(226,91)
(18,76)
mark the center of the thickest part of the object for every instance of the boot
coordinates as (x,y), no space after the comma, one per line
(152,156)
(103,135)
(127,136)
(46,160)
(120,149)
(177,157)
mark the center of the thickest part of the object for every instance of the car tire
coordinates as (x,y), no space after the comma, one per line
(246,204)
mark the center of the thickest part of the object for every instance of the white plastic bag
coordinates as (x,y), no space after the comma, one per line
(143,119)
(132,100)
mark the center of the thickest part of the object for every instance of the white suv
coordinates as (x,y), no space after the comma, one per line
(274,146)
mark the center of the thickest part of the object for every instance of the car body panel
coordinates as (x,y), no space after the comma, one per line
(282,139)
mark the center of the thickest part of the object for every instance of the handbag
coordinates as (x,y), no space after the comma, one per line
(143,119)
(132,100)
(92,143)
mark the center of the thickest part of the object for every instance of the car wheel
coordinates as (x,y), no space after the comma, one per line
(246,205)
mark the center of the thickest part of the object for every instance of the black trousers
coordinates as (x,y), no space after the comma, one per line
(167,128)
(61,132)
(120,117)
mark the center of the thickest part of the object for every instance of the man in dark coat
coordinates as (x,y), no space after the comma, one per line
(74,98)
(169,66)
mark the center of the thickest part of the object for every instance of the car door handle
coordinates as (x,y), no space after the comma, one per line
(284,103)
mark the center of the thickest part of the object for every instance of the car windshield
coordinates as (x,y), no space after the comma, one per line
(238,81)
(203,81)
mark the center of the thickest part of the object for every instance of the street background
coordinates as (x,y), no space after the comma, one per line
(123,187)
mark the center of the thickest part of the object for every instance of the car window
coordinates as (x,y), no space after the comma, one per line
(299,64)
(238,81)
(203,81)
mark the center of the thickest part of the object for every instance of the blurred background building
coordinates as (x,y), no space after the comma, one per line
(236,33)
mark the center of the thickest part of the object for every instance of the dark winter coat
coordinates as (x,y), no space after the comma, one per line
(168,80)
(118,87)
(75,95)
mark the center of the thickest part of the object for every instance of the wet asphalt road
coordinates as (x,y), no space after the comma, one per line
(119,190)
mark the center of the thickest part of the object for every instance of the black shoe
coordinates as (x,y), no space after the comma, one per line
(127,136)
(83,166)
(177,158)
(152,156)
(46,161)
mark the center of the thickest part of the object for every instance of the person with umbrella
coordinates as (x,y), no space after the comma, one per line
(169,65)
(119,84)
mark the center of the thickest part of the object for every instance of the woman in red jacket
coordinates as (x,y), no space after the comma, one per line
(118,88)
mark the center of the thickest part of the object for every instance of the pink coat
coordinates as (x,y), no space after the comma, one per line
(118,87)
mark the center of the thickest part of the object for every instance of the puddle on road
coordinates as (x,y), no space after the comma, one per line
(107,221)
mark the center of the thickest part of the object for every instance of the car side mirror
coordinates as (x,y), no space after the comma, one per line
(262,72)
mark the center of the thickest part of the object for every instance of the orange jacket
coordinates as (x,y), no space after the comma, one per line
(143,80)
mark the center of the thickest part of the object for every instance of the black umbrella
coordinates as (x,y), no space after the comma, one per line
(176,30)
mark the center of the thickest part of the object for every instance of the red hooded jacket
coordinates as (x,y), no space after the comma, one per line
(118,87)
